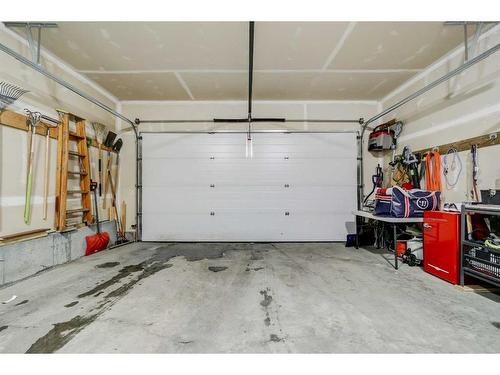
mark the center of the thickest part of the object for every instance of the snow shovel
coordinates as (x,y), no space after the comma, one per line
(100,240)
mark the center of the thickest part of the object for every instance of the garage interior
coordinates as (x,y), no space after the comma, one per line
(250,187)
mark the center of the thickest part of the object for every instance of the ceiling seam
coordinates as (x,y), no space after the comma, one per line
(259,101)
(184,85)
(340,44)
(350,71)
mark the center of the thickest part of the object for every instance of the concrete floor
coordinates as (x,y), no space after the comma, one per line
(271,298)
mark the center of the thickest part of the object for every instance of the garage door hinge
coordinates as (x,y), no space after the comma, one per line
(358,158)
(138,186)
(358,137)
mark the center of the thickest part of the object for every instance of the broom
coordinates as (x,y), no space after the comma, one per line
(100,240)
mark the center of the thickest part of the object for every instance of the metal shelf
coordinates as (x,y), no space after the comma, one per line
(481,276)
(484,209)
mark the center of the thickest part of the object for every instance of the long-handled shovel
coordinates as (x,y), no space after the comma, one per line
(100,240)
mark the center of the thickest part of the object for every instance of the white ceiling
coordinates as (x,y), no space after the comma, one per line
(209,60)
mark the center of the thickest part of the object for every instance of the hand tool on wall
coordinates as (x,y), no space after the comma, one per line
(46,170)
(116,148)
(99,134)
(33,119)
(100,240)
(108,142)
(9,94)
(119,229)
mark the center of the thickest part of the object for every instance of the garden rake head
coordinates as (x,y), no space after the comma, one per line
(9,94)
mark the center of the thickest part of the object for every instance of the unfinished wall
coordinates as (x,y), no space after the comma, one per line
(204,110)
(466,106)
(45,96)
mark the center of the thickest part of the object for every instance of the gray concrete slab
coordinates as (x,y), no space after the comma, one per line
(26,258)
(259,298)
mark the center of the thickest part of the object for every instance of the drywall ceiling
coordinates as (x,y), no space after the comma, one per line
(209,60)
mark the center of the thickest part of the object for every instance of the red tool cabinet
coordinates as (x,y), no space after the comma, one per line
(442,245)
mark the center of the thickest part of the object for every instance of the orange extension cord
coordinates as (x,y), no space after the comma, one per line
(433,171)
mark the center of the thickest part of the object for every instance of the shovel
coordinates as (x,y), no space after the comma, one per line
(100,240)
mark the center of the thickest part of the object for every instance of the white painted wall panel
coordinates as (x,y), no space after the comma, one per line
(310,176)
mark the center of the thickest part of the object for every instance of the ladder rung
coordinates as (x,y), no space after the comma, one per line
(76,153)
(75,135)
(77,191)
(80,173)
(76,210)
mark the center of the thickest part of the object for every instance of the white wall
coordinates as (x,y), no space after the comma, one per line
(464,107)
(45,96)
(204,110)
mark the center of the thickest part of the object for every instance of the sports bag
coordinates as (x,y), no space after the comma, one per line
(383,199)
(413,203)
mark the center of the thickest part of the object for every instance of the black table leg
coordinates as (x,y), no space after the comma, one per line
(357,231)
(395,246)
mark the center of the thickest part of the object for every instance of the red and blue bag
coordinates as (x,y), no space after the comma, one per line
(383,200)
(413,203)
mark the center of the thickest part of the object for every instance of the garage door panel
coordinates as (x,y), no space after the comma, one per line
(233,225)
(201,199)
(247,172)
(311,177)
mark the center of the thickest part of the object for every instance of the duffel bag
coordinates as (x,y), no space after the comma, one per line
(413,203)
(383,199)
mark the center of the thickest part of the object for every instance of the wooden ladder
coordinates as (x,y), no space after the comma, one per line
(67,158)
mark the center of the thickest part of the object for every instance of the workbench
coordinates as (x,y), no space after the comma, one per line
(386,219)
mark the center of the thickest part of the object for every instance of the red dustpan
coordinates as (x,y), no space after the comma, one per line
(100,240)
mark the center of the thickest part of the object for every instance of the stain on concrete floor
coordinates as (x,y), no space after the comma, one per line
(22,302)
(275,338)
(289,331)
(217,268)
(63,332)
(248,269)
(267,298)
(71,304)
(60,334)
(2,328)
(108,265)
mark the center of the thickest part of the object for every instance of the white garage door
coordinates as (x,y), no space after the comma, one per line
(218,187)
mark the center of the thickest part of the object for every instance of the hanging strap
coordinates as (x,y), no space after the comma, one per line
(433,171)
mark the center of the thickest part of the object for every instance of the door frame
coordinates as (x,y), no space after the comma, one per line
(359,178)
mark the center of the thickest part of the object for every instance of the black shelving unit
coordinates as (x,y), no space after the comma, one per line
(477,260)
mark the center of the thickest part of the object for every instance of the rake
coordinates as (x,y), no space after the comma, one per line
(9,94)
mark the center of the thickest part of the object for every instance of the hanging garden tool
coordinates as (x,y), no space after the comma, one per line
(116,148)
(47,169)
(33,119)
(108,142)
(9,94)
(99,134)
